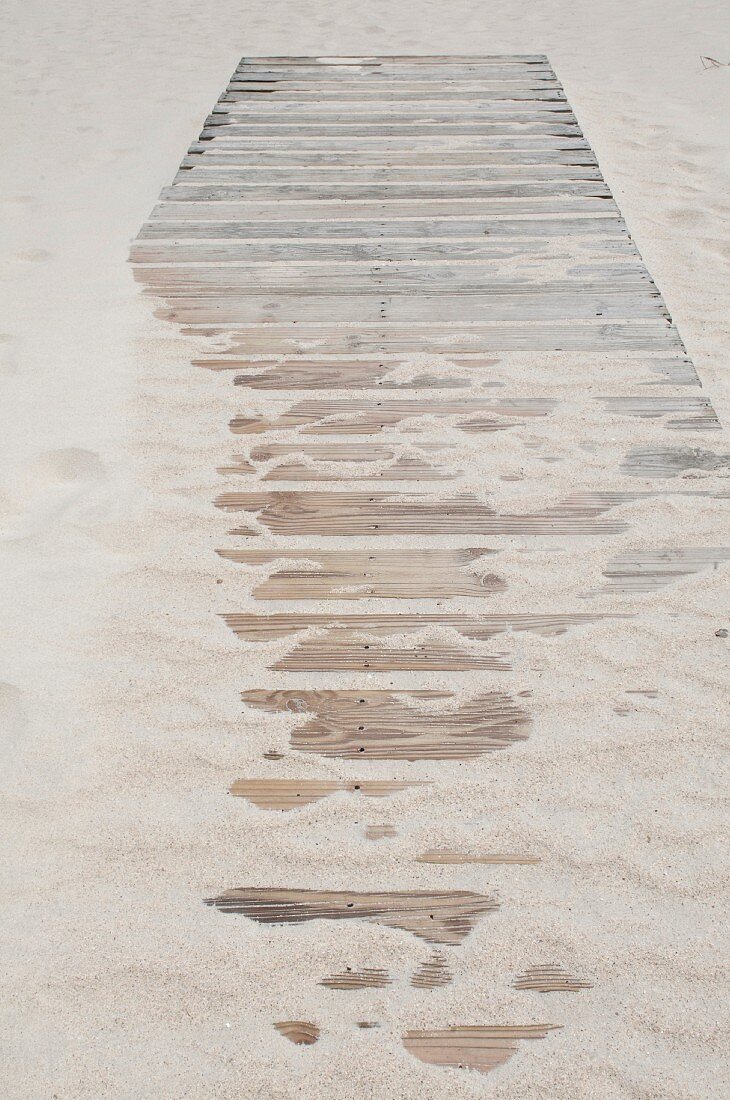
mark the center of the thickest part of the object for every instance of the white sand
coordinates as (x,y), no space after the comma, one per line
(119,715)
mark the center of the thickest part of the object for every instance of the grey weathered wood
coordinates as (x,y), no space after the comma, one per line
(430,147)
(415,228)
(506,241)
(522,106)
(456,306)
(321,133)
(472,93)
(272,339)
(218,153)
(216,170)
(298,279)
(408,192)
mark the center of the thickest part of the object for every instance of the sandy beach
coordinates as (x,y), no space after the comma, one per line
(121,722)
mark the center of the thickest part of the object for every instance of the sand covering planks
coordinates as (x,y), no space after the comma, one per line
(349,226)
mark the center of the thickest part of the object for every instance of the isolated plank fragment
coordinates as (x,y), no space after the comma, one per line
(436,917)
(291,794)
(298,1031)
(648,570)
(380,725)
(480,1048)
(367,978)
(432,974)
(449,856)
(550,979)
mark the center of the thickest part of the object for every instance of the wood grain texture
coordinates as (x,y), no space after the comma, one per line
(369,418)
(550,979)
(378,514)
(379,725)
(642,571)
(293,794)
(299,1032)
(434,973)
(664,462)
(367,978)
(437,917)
(479,1048)
(356,575)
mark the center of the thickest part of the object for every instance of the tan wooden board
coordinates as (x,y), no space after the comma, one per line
(293,794)
(435,916)
(433,973)
(378,514)
(369,977)
(474,1047)
(550,979)
(355,575)
(377,725)
(299,1032)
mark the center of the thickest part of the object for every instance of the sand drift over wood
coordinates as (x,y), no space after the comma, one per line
(451,393)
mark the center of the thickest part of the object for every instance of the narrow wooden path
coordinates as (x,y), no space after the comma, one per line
(428,307)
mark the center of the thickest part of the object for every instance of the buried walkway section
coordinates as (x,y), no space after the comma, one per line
(441,348)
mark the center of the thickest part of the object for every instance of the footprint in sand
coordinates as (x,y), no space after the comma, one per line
(54,486)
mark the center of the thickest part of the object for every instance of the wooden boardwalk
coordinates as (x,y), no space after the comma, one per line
(422,293)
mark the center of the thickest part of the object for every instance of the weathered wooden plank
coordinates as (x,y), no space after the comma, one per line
(518,102)
(367,978)
(501,241)
(408,193)
(375,77)
(637,337)
(315,374)
(293,794)
(641,571)
(437,917)
(399,468)
(377,514)
(479,1048)
(268,180)
(550,979)
(396,374)
(370,62)
(300,1032)
(363,417)
(280,93)
(672,461)
(417,235)
(399,217)
(432,974)
(377,725)
(359,574)
(209,153)
(426,148)
(512,99)
(469,307)
(688,412)
(267,628)
(465,277)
